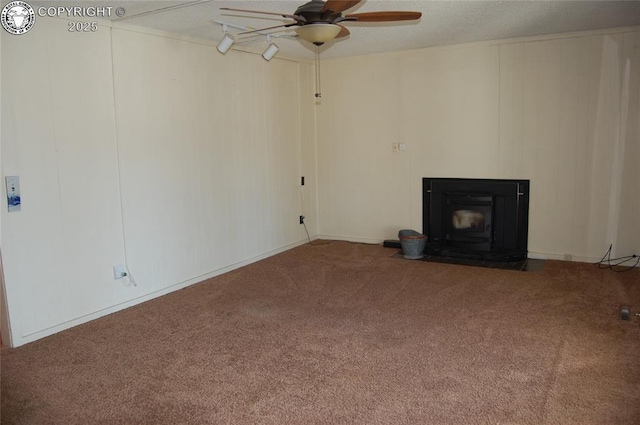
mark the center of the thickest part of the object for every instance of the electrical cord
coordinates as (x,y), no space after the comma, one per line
(309,237)
(130,276)
(306,230)
(617,266)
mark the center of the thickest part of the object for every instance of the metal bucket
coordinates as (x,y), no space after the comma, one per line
(412,243)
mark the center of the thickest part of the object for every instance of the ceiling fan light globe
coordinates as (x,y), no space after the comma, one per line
(318,33)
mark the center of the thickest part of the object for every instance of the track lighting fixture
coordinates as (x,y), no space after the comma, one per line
(271,50)
(226,42)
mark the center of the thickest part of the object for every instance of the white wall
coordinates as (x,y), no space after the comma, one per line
(563,105)
(146,150)
(628,149)
(58,135)
(209,148)
(560,111)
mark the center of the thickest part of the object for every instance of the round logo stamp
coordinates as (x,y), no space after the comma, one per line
(18,17)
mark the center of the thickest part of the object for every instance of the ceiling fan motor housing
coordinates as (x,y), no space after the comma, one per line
(313,14)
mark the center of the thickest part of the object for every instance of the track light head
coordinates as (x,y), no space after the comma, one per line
(226,43)
(270,52)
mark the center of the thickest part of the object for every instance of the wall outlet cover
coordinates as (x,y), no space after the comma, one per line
(119,271)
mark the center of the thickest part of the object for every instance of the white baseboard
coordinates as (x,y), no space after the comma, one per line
(17,341)
(561,257)
(350,239)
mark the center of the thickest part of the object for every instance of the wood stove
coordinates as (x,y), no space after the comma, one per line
(485,219)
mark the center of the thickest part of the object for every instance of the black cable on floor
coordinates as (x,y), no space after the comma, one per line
(617,267)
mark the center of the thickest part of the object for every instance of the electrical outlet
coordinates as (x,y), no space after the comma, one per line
(301,219)
(397,147)
(119,271)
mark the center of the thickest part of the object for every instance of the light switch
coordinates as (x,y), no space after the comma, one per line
(13,193)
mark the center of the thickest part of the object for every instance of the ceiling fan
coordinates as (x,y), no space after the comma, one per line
(321,21)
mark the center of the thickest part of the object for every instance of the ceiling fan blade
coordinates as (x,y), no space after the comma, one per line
(383,16)
(284,15)
(268,28)
(339,5)
(344,31)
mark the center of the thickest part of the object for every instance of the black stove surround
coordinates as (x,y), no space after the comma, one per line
(481,219)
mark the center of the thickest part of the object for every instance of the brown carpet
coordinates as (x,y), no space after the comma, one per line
(344,334)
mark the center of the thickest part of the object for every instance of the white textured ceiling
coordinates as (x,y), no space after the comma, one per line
(442,23)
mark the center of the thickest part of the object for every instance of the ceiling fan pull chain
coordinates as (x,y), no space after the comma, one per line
(318,88)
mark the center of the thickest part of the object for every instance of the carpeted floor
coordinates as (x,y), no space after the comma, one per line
(343,333)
